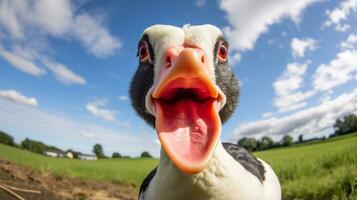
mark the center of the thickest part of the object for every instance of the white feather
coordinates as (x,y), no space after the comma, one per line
(223,179)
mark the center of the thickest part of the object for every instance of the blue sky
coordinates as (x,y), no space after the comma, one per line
(65,67)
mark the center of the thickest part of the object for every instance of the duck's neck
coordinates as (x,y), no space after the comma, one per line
(203,185)
(223,178)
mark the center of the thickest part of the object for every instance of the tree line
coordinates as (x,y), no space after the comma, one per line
(99,152)
(252,144)
(342,126)
(27,144)
(40,147)
(345,125)
(32,145)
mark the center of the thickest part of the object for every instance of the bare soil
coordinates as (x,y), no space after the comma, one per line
(50,187)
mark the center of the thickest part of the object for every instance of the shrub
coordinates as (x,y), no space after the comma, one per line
(6,139)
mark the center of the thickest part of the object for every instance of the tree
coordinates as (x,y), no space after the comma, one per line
(145,154)
(248,143)
(287,140)
(33,146)
(345,125)
(339,127)
(6,139)
(351,122)
(98,150)
(116,155)
(259,146)
(301,138)
(266,143)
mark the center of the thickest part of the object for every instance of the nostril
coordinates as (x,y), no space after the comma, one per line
(168,61)
(200,55)
(170,56)
(203,59)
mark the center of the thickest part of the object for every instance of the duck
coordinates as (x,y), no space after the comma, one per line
(185,89)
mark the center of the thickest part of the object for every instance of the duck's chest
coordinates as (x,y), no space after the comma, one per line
(224,181)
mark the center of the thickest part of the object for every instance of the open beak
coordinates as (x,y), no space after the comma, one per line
(187,104)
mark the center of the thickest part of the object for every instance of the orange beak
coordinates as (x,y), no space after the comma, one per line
(188,68)
(187,103)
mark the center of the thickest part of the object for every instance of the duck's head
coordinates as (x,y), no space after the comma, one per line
(185,89)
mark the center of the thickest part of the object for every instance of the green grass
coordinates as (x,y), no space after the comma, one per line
(324,170)
(123,170)
(319,170)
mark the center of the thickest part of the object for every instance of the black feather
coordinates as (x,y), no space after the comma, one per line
(228,83)
(145,184)
(140,85)
(247,160)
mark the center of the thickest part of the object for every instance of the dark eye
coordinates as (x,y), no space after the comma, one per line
(144,52)
(222,52)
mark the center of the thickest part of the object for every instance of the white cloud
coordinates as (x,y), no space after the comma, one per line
(286,88)
(68,132)
(94,36)
(292,101)
(63,73)
(27,26)
(97,109)
(123,98)
(23,58)
(52,16)
(87,135)
(312,120)
(340,14)
(17,97)
(291,79)
(235,58)
(325,98)
(299,46)
(22,63)
(250,18)
(57,18)
(200,3)
(267,114)
(337,72)
(9,11)
(342,27)
(350,42)
(46,16)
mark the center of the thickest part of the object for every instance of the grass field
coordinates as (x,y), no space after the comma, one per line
(124,170)
(323,170)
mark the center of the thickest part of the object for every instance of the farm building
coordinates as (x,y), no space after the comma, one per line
(69,155)
(54,153)
(59,154)
(87,156)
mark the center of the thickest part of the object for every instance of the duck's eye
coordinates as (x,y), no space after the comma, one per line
(144,52)
(222,52)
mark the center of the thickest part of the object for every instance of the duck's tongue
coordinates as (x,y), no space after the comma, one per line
(188,131)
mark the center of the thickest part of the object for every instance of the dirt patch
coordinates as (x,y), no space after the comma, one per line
(45,186)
